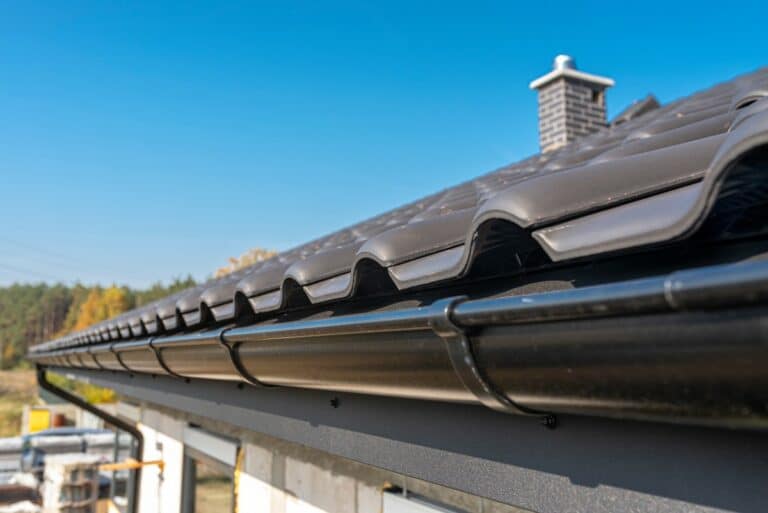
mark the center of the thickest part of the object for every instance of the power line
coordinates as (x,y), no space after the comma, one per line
(44,251)
(58,259)
(21,270)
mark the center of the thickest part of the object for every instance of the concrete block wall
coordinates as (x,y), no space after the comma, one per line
(255,492)
(277,483)
(289,478)
(282,477)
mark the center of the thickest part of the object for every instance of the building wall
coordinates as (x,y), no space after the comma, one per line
(255,493)
(160,492)
(276,483)
(275,476)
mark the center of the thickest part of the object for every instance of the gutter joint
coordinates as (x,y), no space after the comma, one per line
(234,358)
(459,347)
(159,357)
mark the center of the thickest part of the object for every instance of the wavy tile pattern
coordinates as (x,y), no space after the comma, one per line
(579,201)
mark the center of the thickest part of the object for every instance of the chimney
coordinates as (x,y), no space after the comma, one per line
(571,103)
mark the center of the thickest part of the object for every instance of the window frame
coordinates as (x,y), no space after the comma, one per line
(193,456)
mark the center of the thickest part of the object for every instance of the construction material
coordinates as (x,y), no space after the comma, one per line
(130,464)
(71,483)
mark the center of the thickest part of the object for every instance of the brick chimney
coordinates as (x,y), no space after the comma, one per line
(571,103)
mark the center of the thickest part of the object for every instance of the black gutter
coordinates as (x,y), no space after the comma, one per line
(138,449)
(687,347)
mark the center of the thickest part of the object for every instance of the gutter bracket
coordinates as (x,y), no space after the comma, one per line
(459,348)
(159,357)
(234,358)
(117,357)
(89,349)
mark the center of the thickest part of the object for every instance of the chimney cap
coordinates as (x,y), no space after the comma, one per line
(563,61)
(565,66)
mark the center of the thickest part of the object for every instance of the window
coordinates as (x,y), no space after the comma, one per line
(208,486)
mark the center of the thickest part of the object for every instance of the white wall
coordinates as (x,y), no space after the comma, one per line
(163,435)
(273,483)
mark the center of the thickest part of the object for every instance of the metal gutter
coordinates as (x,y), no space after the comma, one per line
(687,347)
(138,449)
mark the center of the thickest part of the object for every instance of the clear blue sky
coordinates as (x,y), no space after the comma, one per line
(145,140)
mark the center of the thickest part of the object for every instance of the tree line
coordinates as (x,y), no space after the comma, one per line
(33,313)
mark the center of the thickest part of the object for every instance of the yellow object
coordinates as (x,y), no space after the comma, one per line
(106,506)
(39,419)
(130,464)
(238,470)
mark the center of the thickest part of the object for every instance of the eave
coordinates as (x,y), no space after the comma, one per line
(687,347)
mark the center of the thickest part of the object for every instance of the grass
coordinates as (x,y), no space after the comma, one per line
(17,388)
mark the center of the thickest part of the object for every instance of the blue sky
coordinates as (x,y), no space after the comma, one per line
(145,140)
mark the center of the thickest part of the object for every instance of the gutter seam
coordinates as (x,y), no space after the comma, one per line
(670,296)
(93,357)
(237,364)
(160,360)
(118,357)
(459,348)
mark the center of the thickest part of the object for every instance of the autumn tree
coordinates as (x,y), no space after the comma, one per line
(79,295)
(250,257)
(100,305)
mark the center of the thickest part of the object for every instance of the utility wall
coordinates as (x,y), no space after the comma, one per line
(274,476)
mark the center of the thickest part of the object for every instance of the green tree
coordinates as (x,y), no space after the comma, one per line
(34,313)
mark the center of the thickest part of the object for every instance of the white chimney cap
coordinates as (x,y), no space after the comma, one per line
(565,66)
